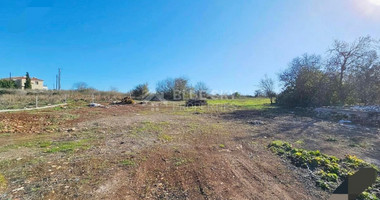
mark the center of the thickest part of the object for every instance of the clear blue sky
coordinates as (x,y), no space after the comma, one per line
(228,44)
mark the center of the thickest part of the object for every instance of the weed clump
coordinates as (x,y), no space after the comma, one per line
(328,170)
(3,183)
(128,162)
(180,161)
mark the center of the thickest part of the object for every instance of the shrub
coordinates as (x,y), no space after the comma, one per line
(140,90)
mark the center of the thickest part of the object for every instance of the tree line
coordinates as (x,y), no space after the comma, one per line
(173,89)
(348,74)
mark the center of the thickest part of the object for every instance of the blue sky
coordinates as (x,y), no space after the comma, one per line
(228,44)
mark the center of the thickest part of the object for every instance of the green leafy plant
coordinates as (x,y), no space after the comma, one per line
(328,169)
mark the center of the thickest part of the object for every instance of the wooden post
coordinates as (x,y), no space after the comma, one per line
(36,101)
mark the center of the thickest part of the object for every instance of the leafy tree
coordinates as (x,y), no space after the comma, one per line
(140,90)
(302,82)
(267,86)
(236,95)
(28,83)
(9,84)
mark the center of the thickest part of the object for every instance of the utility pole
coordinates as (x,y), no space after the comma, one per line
(10,75)
(59,78)
(56,82)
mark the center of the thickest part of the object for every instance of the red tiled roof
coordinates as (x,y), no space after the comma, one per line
(24,77)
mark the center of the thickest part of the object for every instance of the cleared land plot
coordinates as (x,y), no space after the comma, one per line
(162,152)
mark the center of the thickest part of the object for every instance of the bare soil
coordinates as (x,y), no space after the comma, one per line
(145,152)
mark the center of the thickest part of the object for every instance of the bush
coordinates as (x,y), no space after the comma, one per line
(8,84)
(140,91)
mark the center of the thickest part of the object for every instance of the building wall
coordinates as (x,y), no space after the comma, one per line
(19,84)
(36,85)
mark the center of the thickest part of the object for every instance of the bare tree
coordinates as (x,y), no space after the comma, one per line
(174,89)
(267,86)
(258,93)
(80,86)
(344,56)
(201,90)
(166,88)
(113,89)
(306,61)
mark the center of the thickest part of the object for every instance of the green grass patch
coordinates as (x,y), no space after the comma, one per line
(180,161)
(148,127)
(5,134)
(67,146)
(128,162)
(29,144)
(247,103)
(1,126)
(164,137)
(328,169)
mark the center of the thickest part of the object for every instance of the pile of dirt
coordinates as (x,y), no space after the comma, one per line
(196,102)
(127,100)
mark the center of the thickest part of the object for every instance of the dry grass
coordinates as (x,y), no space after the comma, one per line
(27,99)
